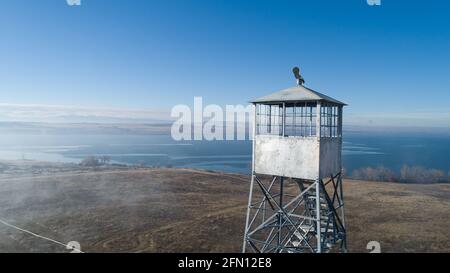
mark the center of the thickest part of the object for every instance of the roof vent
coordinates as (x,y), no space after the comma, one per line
(300,80)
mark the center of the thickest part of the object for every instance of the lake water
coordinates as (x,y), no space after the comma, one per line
(359,150)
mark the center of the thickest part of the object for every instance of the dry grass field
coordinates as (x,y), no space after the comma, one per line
(178,210)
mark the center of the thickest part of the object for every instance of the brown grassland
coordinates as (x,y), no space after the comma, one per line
(180,210)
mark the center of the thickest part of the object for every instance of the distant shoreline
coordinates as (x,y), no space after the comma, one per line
(20,168)
(164,127)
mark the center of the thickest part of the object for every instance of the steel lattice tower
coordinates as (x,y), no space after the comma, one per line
(296,199)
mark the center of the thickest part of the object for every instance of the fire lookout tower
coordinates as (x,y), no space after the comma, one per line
(296,198)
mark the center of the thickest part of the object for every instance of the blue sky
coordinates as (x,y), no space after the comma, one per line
(389,63)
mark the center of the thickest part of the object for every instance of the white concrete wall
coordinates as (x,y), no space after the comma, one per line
(296,157)
(330,156)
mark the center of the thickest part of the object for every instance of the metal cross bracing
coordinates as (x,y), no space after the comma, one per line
(287,215)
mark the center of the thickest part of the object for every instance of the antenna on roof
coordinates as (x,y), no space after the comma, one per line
(300,80)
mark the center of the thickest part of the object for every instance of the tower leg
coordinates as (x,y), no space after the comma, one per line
(247,219)
(280,213)
(342,205)
(318,218)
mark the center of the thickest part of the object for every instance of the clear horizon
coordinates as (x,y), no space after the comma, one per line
(82,114)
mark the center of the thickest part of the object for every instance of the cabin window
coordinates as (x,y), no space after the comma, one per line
(269,119)
(301,119)
(330,121)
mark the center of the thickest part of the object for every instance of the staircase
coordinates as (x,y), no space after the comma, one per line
(308,229)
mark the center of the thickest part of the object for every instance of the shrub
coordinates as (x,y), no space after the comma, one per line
(408,174)
(90,161)
(418,174)
(375,174)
